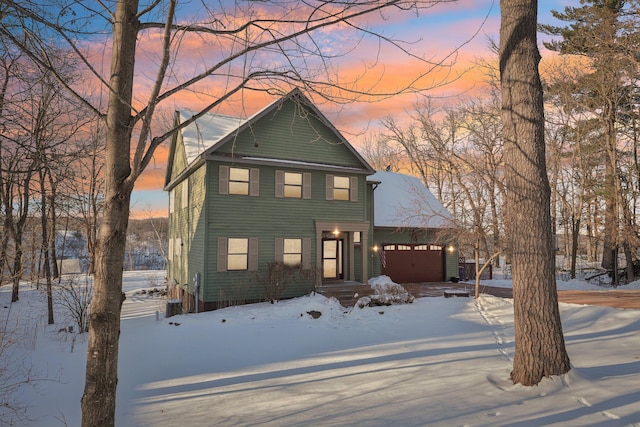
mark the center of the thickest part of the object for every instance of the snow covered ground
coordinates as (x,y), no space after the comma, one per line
(437,361)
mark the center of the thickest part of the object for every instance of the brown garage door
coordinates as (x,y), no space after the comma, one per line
(410,263)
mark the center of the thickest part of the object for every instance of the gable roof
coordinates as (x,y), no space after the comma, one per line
(403,201)
(212,131)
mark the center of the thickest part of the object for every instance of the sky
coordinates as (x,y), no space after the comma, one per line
(463,27)
(437,361)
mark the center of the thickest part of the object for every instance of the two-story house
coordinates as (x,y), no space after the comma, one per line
(272,204)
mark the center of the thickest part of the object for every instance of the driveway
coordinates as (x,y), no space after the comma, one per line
(610,298)
(348,293)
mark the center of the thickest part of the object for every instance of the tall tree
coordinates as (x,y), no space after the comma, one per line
(270,45)
(539,342)
(604,35)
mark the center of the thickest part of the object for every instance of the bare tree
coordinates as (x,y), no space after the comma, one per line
(288,33)
(539,342)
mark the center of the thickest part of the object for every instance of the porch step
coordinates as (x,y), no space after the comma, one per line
(345,292)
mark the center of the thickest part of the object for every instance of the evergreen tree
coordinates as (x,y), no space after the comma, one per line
(603,34)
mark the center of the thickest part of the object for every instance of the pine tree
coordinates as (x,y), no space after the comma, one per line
(602,32)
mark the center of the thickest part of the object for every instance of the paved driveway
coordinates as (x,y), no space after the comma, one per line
(349,293)
(610,298)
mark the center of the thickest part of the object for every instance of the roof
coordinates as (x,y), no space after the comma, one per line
(403,201)
(205,132)
(211,131)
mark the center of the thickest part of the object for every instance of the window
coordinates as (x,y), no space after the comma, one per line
(238,254)
(172,197)
(357,237)
(177,249)
(420,247)
(435,248)
(404,248)
(292,252)
(342,188)
(185,194)
(240,181)
(293,185)
(389,247)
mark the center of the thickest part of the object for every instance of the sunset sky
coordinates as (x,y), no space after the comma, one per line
(463,27)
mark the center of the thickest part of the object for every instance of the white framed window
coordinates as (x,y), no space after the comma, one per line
(294,252)
(237,254)
(342,188)
(357,237)
(293,185)
(239,181)
(296,185)
(177,250)
(172,201)
(185,194)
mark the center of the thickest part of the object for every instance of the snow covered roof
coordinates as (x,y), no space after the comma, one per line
(206,131)
(404,201)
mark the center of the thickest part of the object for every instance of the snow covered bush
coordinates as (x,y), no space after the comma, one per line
(385,292)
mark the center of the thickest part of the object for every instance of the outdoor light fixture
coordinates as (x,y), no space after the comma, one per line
(451,249)
(336,232)
(375,248)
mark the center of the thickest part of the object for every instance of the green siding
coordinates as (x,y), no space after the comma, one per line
(197,247)
(179,161)
(292,134)
(188,224)
(268,217)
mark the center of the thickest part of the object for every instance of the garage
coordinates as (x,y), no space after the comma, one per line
(413,262)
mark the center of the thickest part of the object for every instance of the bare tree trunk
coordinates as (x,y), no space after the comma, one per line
(46,266)
(539,342)
(99,398)
(575,235)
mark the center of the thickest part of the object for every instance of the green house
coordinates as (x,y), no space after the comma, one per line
(268,207)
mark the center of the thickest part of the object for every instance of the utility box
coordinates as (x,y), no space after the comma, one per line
(174,307)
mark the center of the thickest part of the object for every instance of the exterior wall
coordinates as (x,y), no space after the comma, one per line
(187,233)
(389,235)
(288,134)
(267,217)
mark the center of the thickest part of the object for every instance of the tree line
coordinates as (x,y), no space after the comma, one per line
(292,36)
(591,136)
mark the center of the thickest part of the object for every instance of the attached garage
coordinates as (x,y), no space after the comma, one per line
(410,231)
(413,263)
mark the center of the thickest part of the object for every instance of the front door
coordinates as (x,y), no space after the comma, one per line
(332,259)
